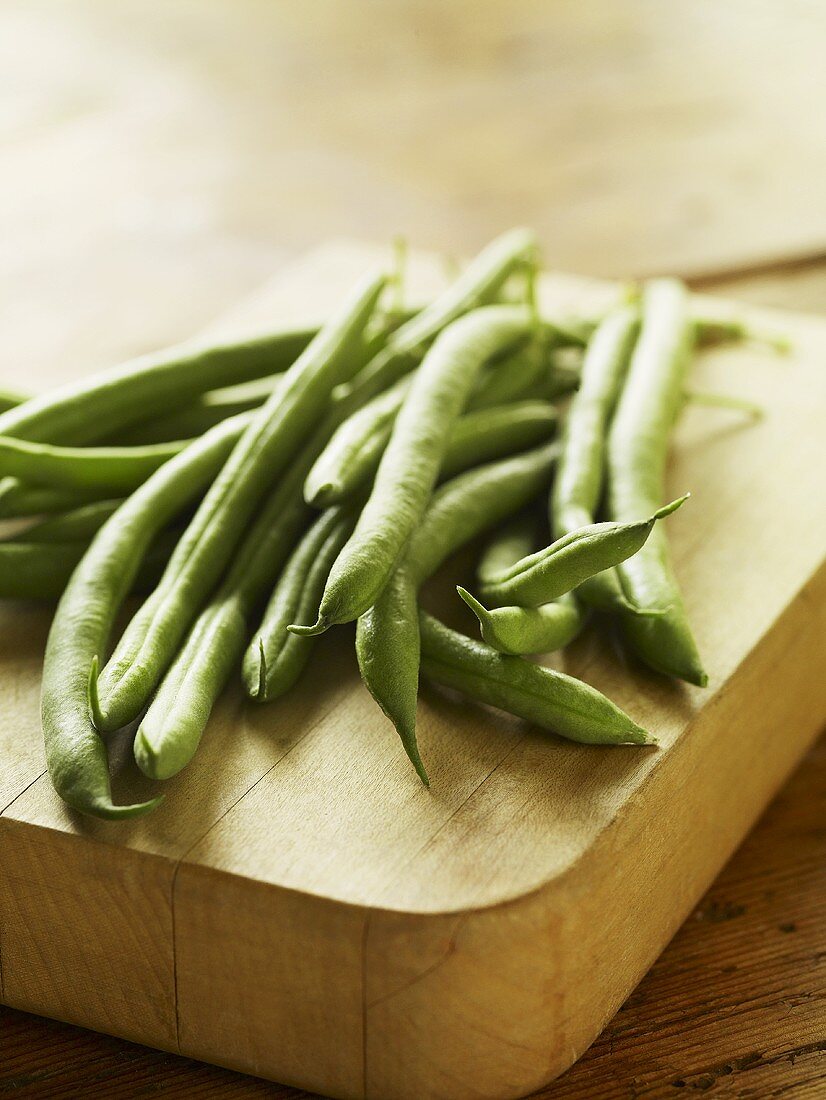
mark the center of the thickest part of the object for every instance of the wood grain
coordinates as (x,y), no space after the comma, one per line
(735,1007)
(378,914)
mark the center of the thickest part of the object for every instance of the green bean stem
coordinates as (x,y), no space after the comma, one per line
(387,635)
(75,754)
(637,450)
(411,462)
(262,454)
(552,700)
(477,285)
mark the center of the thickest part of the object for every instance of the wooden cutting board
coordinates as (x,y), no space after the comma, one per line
(301,908)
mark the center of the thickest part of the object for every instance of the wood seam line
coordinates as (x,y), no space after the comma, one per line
(2,814)
(198,840)
(365,934)
(399,874)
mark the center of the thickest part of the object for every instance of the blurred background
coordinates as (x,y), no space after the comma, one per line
(162,157)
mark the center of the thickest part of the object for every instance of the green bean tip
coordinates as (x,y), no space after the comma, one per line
(668,509)
(109,811)
(258,691)
(478,609)
(92,695)
(303,631)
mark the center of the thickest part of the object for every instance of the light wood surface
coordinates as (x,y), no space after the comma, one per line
(301,908)
(733,1008)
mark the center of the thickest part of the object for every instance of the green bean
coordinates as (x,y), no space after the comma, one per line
(351,458)
(177,716)
(637,449)
(522,630)
(261,456)
(109,470)
(171,729)
(720,330)
(273,665)
(411,462)
(76,525)
(355,449)
(477,285)
(515,629)
(97,406)
(75,754)
(85,410)
(487,434)
(552,700)
(387,636)
(476,437)
(567,562)
(19,499)
(579,482)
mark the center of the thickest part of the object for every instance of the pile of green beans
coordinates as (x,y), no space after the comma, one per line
(254,494)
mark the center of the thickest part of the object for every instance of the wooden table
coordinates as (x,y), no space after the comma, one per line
(165,157)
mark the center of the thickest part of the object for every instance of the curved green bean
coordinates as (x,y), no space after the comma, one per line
(411,462)
(525,630)
(273,666)
(566,706)
(637,450)
(477,285)
(75,754)
(567,562)
(109,470)
(262,454)
(579,481)
(387,635)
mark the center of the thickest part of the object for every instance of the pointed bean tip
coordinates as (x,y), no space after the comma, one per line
(92,694)
(671,507)
(261,691)
(304,631)
(109,811)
